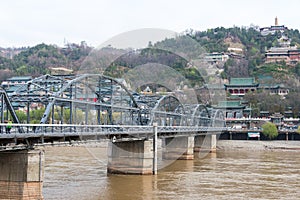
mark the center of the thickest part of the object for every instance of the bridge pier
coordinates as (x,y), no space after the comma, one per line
(206,143)
(180,148)
(130,157)
(21,174)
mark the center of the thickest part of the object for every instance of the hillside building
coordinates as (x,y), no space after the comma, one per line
(240,86)
(232,109)
(10,85)
(15,81)
(216,57)
(278,89)
(289,55)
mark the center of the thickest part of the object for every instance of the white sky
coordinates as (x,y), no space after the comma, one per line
(31,22)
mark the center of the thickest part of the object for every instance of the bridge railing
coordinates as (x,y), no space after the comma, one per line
(62,130)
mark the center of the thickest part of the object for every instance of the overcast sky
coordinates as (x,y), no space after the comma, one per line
(31,22)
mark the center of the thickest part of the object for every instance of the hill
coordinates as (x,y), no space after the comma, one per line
(246,48)
(39,59)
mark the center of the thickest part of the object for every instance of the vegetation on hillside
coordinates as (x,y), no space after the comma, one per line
(161,59)
(39,59)
(253,43)
(177,53)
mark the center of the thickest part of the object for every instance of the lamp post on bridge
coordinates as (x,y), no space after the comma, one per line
(154,148)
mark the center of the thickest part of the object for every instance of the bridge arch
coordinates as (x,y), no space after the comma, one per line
(217,118)
(197,115)
(168,111)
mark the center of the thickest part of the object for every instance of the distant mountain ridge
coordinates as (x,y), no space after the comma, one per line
(248,42)
(39,59)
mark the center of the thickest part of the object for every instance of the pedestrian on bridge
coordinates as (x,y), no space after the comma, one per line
(8,127)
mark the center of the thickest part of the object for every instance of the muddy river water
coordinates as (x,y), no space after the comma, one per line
(80,173)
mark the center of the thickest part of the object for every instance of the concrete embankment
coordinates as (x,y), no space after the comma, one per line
(230,145)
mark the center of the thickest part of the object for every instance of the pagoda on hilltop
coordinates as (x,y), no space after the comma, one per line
(272,29)
(283,51)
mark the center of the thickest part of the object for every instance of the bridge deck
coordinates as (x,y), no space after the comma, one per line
(32,134)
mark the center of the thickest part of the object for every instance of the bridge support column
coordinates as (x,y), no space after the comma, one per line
(180,148)
(21,174)
(206,143)
(130,157)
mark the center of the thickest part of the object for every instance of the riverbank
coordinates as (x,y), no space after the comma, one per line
(225,145)
(229,145)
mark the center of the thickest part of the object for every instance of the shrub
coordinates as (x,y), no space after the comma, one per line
(269,130)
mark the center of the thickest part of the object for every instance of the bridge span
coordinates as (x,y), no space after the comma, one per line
(96,107)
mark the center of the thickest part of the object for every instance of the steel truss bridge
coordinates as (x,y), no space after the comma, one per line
(94,106)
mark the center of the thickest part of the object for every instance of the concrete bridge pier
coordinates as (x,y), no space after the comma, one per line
(130,157)
(21,174)
(180,148)
(206,143)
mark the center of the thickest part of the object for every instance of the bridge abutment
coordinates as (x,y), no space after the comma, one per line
(21,174)
(180,148)
(206,143)
(130,157)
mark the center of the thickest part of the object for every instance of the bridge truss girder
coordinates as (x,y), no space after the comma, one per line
(93,99)
(101,99)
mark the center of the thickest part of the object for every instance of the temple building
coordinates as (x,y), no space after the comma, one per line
(289,55)
(240,86)
(282,52)
(15,82)
(10,85)
(277,119)
(232,109)
(278,89)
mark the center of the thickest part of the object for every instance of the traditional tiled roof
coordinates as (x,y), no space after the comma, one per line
(12,89)
(277,115)
(242,82)
(20,78)
(272,86)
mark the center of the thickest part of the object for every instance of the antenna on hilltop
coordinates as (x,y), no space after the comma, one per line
(65,42)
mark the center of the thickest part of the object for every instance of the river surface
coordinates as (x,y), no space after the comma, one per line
(79,173)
